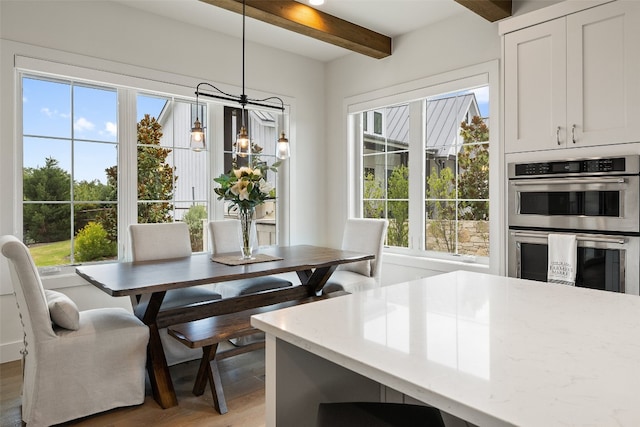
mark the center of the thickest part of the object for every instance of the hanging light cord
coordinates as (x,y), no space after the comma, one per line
(243,100)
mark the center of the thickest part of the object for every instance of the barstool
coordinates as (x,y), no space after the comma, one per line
(376,414)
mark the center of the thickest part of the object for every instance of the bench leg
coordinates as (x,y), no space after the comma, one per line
(216,388)
(208,354)
(208,371)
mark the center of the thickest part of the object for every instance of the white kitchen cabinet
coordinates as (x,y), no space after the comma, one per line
(574,81)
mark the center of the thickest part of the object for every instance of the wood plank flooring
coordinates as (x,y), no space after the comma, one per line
(242,379)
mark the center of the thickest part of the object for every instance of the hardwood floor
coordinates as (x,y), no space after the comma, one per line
(242,379)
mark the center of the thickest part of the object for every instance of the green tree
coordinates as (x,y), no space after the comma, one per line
(85,194)
(473,169)
(46,222)
(155,180)
(441,209)
(373,205)
(193,218)
(155,175)
(92,243)
(398,193)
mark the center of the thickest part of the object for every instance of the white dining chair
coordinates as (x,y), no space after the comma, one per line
(225,238)
(168,240)
(365,235)
(75,363)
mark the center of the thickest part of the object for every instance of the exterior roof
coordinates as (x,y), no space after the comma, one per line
(444,116)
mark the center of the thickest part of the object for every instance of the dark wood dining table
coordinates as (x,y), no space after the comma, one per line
(147,282)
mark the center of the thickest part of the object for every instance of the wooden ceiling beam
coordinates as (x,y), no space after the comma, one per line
(491,10)
(302,19)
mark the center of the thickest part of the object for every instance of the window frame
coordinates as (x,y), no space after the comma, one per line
(415,94)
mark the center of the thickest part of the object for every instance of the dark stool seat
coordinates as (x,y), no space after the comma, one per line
(375,414)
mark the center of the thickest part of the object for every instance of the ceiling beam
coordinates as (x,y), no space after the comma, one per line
(491,10)
(302,19)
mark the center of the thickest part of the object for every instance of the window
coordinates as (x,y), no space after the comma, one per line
(377,123)
(69,143)
(98,157)
(427,171)
(71,169)
(173,181)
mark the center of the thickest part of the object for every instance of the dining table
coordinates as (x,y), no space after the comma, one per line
(147,282)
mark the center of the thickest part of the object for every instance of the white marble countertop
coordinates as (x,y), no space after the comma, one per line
(492,350)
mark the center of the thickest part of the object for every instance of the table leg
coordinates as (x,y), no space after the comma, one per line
(317,278)
(159,376)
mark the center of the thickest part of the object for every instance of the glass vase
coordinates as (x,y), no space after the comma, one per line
(247,232)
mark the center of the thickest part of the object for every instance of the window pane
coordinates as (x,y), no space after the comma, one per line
(95,114)
(261,127)
(46,223)
(47,169)
(196,217)
(473,236)
(397,127)
(46,108)
(153,212)
(95,176)
(441,235)
(398,230)
(385,170)
(96,236)
(191,176)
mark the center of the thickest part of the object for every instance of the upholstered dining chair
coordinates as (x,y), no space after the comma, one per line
(224,237)
(158,241)
(360,235)
(75,363)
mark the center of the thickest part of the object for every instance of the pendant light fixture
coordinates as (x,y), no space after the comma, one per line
(242,145)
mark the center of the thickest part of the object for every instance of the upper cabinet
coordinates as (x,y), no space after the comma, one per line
(574,81)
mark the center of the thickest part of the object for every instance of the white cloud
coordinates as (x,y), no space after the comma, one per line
(46,112)
(83,124)
(111,128)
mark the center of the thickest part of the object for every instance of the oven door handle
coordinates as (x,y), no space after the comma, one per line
(566,181)
(580,237)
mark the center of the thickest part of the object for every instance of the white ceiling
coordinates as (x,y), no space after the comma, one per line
(389,17)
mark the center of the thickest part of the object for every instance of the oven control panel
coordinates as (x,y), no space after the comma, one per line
(571,167)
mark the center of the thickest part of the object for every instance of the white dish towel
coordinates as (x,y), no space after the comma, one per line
(563,254)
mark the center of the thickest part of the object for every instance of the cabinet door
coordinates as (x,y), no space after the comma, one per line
(535,87)
(603,74)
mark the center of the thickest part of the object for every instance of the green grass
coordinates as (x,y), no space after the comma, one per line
(47,254)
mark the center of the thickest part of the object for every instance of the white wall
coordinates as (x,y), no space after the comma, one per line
(105,34)
(463,40)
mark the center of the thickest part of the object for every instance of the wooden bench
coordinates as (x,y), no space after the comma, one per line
(209,332)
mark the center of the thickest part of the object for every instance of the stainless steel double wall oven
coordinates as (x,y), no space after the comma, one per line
(597,199)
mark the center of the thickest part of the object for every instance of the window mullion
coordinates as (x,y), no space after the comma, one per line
(127,169)
(416,176)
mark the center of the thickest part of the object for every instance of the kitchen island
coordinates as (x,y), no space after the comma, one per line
(491,350)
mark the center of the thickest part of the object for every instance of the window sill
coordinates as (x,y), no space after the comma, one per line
(433,264)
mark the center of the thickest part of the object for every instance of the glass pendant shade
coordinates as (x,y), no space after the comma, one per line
(243,144)
(197,142)
(282,150)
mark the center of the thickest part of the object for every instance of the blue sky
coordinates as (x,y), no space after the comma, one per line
(59,111)
(54,112)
